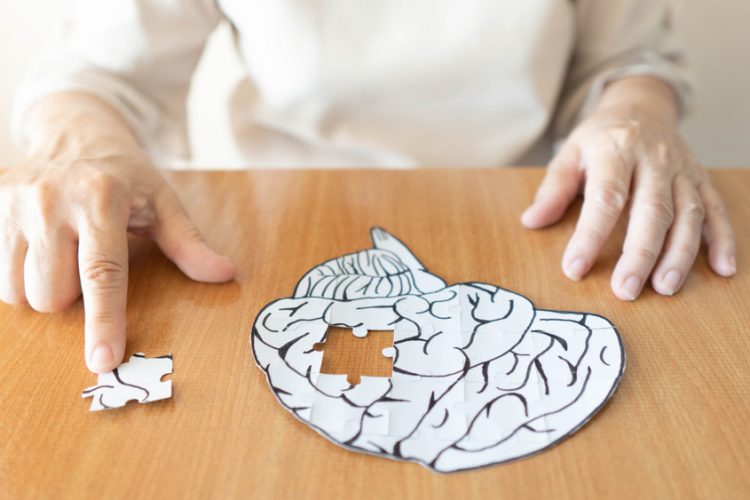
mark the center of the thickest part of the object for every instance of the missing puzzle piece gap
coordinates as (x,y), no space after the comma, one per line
(139,379)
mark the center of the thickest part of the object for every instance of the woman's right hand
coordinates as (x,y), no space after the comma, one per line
(65,215)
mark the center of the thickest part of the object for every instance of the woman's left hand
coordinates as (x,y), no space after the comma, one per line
(630,154)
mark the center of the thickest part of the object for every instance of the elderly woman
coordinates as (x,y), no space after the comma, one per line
(350,83)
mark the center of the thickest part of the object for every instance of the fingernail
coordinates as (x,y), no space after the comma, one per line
(101,357)
(731,265)
(576,269)
(671,281)
(631,287)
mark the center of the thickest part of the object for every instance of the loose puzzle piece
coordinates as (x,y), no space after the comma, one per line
(137,380)
(477,375)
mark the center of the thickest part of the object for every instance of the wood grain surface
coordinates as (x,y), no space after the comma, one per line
(676,428)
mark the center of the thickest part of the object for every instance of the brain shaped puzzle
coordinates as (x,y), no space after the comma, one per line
(480,376)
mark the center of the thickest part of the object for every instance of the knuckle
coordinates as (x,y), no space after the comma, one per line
(717,207)
(101,190)
(104,273)
(595,235)
(659,209)
(623,135)
(104,324)
(102,318)
(42,189)
(191,233)
(643,253)
(98,183)
(661,155)
(610,197)
(694,210)
(658,181)
(689,250)
(41,201)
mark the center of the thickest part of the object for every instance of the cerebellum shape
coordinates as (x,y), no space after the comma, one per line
(479,377)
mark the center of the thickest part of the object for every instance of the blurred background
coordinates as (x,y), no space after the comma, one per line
(715,34)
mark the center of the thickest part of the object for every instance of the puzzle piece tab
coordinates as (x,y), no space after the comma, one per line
(139,379)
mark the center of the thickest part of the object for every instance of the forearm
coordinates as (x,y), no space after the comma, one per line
(72,125)
(637,95)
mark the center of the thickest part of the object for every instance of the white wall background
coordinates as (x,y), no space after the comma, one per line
(715,33)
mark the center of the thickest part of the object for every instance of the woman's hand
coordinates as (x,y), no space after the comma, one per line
(628,152)
(65,215)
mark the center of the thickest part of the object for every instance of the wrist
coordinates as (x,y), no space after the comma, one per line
(65,127)
(640,98)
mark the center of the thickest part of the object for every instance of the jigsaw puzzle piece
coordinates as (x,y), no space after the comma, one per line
(293,389)
(363,315)
(139,379)
(333,413)
(333,384)
(369,390)
(373,423)
(492,416)
(439,425)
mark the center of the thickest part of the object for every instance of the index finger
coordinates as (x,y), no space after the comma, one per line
(605,195)
(103,264)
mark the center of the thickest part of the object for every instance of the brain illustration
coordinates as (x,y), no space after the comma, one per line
(480,376)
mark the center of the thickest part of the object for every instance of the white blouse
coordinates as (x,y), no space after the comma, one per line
(365,83)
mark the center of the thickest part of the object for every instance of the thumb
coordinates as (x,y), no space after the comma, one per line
(558,189)
(183,244)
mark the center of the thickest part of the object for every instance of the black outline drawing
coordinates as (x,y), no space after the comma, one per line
(118,385)
(544,368)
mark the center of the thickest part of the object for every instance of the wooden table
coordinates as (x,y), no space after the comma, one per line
(677,427)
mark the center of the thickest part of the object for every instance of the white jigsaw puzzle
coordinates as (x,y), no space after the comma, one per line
(480,375)
(137,380)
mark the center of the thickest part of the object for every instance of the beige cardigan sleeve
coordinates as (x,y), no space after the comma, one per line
(137,55)
(618,38)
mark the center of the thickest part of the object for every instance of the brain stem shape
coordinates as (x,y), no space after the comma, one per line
(480,376)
